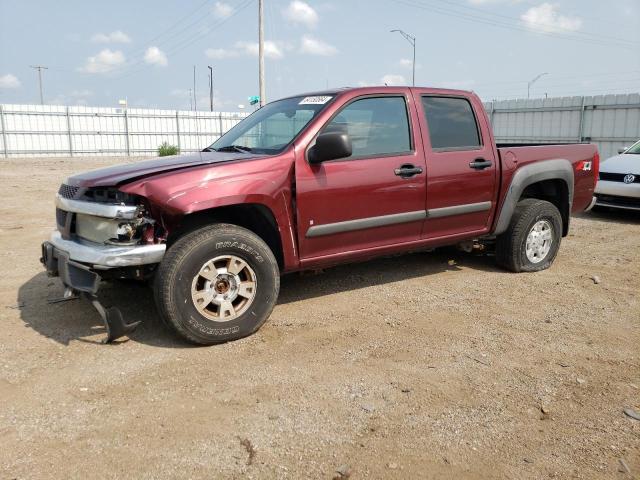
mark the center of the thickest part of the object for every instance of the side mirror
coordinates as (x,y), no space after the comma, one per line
(330,146)
(622,149)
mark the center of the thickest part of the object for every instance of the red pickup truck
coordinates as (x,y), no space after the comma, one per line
(307,182)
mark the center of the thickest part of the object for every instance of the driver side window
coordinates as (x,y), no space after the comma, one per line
(377,126)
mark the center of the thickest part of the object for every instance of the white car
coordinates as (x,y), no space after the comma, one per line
(619,182)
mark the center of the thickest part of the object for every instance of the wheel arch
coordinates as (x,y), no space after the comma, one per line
(255,217)
(550,180)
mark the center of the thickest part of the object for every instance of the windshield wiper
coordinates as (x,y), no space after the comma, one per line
(234,148)
(208,149)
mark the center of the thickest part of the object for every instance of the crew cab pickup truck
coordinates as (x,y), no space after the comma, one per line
(307,182)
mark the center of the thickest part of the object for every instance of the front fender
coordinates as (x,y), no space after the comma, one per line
(172,196)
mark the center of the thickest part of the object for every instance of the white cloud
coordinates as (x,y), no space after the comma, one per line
(9,81)
(220,53)
(75,97)
(113,37)
(545,18)
(302,13)
(155,56)
(392,79)
(271,49)
(313,46)
(222,10)
(487,2)
(408,63)
(455,84)
(105,61)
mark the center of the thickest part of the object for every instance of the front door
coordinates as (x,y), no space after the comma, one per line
(373,198)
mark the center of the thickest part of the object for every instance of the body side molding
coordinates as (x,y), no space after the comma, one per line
(362,223)
(458,209)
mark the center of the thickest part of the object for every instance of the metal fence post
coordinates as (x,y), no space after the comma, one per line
(178,129)
(581,128)
(69,133)
(126,129)
(220,122)
(4,132)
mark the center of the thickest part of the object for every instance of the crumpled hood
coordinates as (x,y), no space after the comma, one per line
(118,174)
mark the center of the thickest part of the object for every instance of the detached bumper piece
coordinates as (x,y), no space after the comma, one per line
(83,282)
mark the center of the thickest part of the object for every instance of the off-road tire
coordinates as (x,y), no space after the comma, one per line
(182,262)
(511,245)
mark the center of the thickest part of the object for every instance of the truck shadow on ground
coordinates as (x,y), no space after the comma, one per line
(77,320)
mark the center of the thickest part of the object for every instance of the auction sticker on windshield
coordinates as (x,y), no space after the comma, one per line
(319,100)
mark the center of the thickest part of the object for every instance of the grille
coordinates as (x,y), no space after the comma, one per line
(67,191)
(616,177)
(620,201)
(61,217)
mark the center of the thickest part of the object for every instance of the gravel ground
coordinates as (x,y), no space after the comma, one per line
(431,365)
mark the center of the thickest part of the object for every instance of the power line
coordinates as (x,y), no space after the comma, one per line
(510,18)
(184,43)
(510,26)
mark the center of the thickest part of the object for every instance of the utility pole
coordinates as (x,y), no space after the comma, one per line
(412,40)
(195,104)
(534,80)
(210,88)
(263,93)
(40,68)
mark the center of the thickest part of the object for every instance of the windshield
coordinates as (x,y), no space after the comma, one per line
(634,149)
(270,129)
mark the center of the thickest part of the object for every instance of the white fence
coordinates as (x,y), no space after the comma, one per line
(49,130)
(610,121)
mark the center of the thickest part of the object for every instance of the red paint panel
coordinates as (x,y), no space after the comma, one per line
(352,189)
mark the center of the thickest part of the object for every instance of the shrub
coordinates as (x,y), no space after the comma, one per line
(165,150)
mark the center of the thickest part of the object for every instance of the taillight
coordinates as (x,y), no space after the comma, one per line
(590,165)
(596,165)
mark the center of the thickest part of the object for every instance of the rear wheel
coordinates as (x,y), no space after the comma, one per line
(532,240)
(216,284)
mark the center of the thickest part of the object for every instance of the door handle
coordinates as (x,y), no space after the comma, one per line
(480,164)
(407,170)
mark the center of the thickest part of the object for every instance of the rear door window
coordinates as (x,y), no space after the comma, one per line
(452,123)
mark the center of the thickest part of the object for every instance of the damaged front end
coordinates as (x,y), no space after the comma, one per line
(102,233)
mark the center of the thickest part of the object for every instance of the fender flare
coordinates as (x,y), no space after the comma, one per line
(556,169)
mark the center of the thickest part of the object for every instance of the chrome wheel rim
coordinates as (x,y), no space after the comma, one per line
(224,288)
(539,241)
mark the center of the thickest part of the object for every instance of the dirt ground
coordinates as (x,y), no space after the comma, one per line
(429,365)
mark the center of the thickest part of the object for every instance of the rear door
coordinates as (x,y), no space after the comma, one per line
(462,168)
(375,197)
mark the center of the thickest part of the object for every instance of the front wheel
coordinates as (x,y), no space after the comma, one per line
(217,284)
(532,240)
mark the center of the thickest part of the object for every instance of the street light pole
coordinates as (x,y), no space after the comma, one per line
(534,80)
(263,93)
(210,88)
(412,40)
(40,68)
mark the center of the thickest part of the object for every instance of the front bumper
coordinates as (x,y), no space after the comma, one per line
(618,195)
(103,257)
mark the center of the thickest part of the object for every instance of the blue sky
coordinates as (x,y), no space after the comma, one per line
(98,52)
